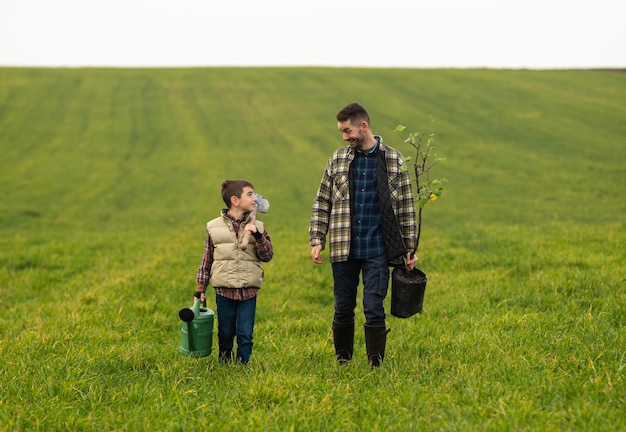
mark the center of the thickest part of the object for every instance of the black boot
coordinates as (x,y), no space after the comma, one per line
(343,335)
(375,343)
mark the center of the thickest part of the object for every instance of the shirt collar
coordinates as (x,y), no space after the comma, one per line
(228,216)
(373,149)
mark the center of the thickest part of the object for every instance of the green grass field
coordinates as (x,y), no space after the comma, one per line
(108,177)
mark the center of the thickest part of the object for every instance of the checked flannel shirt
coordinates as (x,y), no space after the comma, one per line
(331,207)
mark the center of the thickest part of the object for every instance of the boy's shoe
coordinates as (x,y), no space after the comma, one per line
(225,356)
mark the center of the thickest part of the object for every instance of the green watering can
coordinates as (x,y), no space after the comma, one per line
(197,330)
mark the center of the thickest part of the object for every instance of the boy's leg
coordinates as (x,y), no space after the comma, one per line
(226,319)
(246,311)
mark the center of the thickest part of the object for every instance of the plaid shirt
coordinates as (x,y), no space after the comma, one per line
(367,234)
(331,212)
(264,250)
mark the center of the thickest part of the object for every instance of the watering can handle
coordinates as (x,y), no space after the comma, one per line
(197,297)
(202,303)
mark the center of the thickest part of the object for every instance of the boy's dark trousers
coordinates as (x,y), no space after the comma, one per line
(235,319)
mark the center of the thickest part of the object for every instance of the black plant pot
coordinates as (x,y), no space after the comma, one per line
(407,291)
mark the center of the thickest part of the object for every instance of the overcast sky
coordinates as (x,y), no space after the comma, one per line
(537,34)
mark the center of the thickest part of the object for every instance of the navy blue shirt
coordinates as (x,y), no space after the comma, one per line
(366,240)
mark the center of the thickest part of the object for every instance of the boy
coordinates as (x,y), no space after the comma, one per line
(235,273)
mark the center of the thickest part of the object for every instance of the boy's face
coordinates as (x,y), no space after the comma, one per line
(247,201)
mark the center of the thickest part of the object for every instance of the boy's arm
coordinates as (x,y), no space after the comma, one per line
(204,271)
(264,248)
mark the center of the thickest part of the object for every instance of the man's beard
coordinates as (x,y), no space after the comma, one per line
(356,142)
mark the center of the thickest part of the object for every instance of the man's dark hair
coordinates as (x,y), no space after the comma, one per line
(355,113)
(232,188)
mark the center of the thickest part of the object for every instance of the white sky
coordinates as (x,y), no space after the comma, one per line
(536,34)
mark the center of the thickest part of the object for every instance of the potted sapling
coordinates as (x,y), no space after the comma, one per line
(408,287)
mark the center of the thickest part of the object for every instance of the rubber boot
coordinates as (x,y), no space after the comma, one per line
(343,335)
(375,343)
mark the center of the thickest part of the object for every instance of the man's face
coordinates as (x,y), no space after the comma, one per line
(352,134)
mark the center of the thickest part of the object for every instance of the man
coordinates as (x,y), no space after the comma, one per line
(365,203)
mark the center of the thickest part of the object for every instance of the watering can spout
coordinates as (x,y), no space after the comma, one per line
(188,314)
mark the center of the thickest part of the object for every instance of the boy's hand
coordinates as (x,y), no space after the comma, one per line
(247,231)
(199,295)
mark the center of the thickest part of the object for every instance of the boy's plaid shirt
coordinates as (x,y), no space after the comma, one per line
(331,208)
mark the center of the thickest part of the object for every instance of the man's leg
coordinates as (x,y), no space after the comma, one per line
(346,281)
(375,283)
(343,336)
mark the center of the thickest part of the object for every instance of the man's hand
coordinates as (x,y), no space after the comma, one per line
(411,259)
(315,254)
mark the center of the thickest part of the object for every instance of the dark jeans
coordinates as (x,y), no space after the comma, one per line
(375,273)
(235,318)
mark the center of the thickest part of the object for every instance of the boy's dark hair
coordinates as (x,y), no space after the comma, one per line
(232,188)
(353,112)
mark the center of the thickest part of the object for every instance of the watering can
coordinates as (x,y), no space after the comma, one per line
(197,330)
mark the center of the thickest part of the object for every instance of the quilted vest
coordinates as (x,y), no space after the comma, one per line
(394,243)
(233,267)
